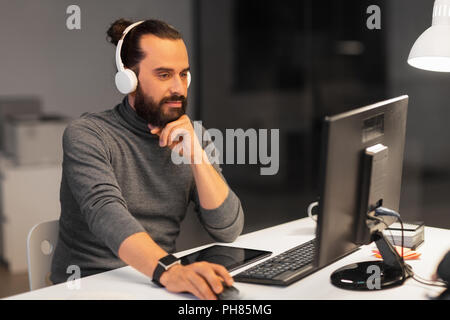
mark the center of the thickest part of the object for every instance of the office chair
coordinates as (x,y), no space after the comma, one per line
(41,244)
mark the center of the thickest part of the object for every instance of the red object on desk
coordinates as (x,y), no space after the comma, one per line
(408,254)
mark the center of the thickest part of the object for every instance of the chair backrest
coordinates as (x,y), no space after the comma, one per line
(41,244)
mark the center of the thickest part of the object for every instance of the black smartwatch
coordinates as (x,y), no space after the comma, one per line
(163,265)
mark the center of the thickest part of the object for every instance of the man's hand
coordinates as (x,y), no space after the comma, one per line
(202,279)
(179,132)
(212,189)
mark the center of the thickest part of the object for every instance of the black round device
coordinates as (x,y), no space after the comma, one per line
(369,275)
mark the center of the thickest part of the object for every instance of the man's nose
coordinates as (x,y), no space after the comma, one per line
(178,86)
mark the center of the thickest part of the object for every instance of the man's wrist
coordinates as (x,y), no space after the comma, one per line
(198,155)
(164,264)
(165,275)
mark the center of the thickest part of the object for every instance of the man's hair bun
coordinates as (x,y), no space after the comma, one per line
(131,52)
(116,29)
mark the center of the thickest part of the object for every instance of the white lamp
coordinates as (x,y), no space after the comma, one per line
(431,51)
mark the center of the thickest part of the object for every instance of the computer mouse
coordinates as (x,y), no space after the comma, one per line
(228,293)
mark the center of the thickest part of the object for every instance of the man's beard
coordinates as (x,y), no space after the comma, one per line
(158,114)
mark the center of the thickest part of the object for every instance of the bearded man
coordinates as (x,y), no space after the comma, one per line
(122,197)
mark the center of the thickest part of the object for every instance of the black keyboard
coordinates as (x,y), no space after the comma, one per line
(283,269)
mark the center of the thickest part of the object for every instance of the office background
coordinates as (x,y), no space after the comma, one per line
(255,64)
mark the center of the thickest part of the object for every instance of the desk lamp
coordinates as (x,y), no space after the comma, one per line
(431,51)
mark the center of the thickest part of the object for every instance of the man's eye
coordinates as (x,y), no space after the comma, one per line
(164,76)
(184,74)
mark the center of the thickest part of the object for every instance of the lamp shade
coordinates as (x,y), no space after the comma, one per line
(431,51)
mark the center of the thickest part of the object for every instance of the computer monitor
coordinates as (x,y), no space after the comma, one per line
(361,169)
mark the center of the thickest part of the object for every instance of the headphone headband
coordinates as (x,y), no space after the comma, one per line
(119,63)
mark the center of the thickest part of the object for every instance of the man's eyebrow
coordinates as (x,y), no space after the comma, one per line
(163,69)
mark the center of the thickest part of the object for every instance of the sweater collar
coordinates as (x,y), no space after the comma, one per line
(133,122)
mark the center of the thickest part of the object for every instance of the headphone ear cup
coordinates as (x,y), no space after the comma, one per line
(189,79)
(126,81)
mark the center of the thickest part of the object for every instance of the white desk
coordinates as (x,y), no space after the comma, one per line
(127,283)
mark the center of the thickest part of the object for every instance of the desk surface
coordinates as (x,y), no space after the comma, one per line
(128,283)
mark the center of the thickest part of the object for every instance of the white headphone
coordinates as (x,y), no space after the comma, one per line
(126,80)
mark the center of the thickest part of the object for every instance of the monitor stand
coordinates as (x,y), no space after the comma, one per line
(373,275)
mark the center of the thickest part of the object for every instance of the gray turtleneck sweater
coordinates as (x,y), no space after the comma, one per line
(117,181)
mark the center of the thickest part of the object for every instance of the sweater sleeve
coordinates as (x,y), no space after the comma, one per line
(226,222)
(91,179)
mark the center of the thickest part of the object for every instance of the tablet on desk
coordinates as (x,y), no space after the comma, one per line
(229,257)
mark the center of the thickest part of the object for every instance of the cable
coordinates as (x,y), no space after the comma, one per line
(387,227)
(381,211)
(403,235)
(309,210)
(387,212)
(427,282)
(436,283)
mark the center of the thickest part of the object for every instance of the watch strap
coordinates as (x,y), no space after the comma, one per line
(163,265)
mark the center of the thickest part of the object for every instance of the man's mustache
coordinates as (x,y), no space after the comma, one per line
(173,98)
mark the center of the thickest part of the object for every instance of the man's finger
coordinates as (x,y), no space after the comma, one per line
(178,135)
(193,289)
(180,148)
(163,138)
(223,273)
(207,272)
(154,130)
(181,282)
(202,287)
(167,135)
